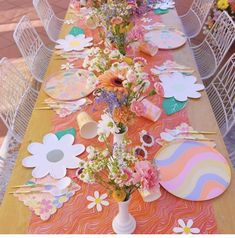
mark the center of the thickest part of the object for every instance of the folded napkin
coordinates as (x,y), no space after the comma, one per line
(43,203)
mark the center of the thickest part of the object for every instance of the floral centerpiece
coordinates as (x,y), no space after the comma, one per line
(218,7)
(118,170)
(122,88)
(115,18)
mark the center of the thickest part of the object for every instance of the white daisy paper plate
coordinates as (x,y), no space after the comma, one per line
(74,43)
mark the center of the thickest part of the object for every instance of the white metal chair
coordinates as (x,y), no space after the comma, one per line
(51,22)
(17,100)
(221,93)
(32,48)
(210,53)
(195,17)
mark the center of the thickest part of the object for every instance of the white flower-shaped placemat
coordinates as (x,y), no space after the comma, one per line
(76,43)
(180,86)
(53,156)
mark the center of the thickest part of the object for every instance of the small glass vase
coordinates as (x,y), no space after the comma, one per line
(124,222)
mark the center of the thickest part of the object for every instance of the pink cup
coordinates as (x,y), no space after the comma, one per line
(153,112)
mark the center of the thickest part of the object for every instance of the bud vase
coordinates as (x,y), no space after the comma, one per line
(119,137)
(124,222)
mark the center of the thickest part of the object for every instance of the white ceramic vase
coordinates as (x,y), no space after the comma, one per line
(124,222)
(118,138)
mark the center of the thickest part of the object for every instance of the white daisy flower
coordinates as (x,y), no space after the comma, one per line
(53,156)
(106,126)
(69,21)
(97,201)
(67,66)
(180,86)
(186,228)
(77,43)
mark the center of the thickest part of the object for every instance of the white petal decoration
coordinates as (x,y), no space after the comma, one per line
(30,162)
(53,156)
(178,229)
(195,230)
(76,43)
(180,86)
(181,223)
(40,172)
(189,223)
(91,205)
(57,171)
(34,147)
(50,138)
(78,149)
(98,207)
(67,139)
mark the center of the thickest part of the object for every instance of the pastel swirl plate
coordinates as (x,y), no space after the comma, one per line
(193,171)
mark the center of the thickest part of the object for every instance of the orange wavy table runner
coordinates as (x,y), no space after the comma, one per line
(158,217)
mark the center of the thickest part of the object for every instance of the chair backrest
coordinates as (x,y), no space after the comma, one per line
(221,92)
(50,21)
(27,40)
(221,36)
(201,9)
(15,105)
(44,11)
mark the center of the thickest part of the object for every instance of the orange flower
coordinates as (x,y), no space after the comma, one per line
(116,20)
(111,80)
(123,115)
(119,195)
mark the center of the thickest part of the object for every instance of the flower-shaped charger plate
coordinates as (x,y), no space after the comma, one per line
(165,38)
(70,85)
(193,171)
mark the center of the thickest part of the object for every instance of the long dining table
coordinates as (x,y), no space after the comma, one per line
(15,217)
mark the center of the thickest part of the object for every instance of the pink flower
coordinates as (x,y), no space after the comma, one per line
(136,34)
(130,76)
(159,89)
(116,20)
(146,174)
(141,60)
(127,175)
(138,108)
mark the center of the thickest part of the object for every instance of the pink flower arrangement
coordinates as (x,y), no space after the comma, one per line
(147,175)
(138,108)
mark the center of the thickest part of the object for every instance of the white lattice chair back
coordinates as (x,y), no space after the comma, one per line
(32,48)
(210,53)
(16,101)
(195,17)
(51,22)
(221,93)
